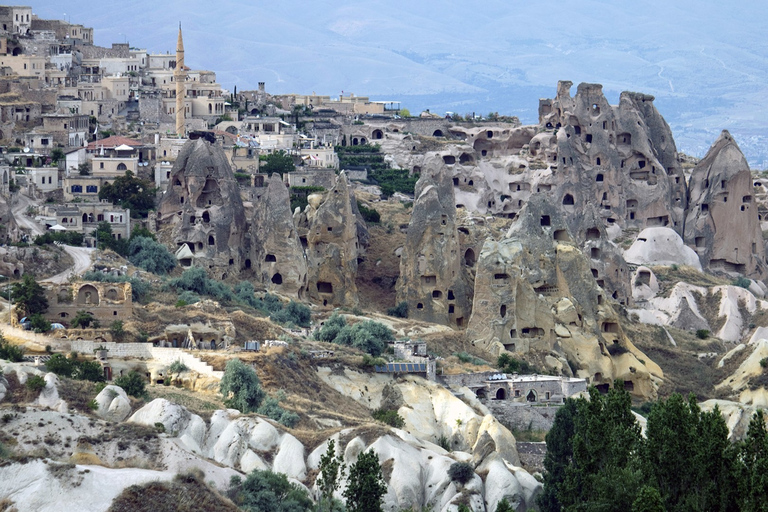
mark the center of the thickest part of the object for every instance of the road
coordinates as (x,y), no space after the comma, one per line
(82,259)
(19,212)
(80,255)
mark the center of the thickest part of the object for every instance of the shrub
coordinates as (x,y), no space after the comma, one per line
(35,383)
(266,491)
(742,281)
(188,297)
(150,255)
(10,352)
(271,409)
(331,328)
(399,311)
(178,366)
(468,358)
(241,387)
(444,443)
(369,214)
(508,364)
(616,350)
(764,362)
(702,334)
(292,313)
(93,405)
(83,319)
(389,416)
(133,384)
(461,472)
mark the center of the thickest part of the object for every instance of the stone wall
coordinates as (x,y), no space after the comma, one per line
(517,416)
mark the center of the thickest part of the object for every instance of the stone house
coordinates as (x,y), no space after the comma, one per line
(106,302)
(68,129)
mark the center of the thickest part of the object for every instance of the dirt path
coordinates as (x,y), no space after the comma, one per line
(19,212)
(82,262)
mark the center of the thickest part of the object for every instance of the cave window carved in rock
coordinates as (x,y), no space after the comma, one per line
(277,279)
(324,287)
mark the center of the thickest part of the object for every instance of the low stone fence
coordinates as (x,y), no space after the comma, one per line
(162,355)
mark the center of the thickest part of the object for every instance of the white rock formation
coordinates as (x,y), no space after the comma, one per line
(113,403)
(661,246)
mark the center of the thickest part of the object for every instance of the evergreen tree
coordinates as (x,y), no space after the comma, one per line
(331,472)
(753,468)
(365,487)
(241,387)
(648,500)
(559,455)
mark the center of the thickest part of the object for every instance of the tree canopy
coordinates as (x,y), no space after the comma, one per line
(131,192)
(150,255)
(365,486)
(29,296)
(597,460)
(277,161)
(241,387)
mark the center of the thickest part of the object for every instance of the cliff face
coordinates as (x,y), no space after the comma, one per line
(536,292)
(333,248)
(202,206)
(433,280)
(277,252)
(722,222)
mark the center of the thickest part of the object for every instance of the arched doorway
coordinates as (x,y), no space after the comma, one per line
(531,396)
(501,394)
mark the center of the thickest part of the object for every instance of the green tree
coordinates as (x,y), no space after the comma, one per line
(265,491)
(133,384)
(131,192)
(10,352)
(39,323)
(504,506)
(240,387)
(331,472)
(60,365)
(559,455)
(753,466)
(84,169)
(604,473)
(404,112)
(365,486)
(687,456)
(648,500)
(29,296)
(277,161)
(117,329)
(106,240)
(82,320)
(150,255)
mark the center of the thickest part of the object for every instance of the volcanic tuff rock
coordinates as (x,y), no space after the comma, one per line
(432,279)
(202,205)
(276,249)
(661,246)
(722,221)
(333,247)
(535,292)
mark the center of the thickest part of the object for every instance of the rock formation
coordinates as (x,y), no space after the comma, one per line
(202,205)
(277,251)
(536,292)
(661,246)
(432,274)
(333,248)
(722,221)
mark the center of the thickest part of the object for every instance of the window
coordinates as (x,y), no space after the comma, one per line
(43,142)
(91,189)
(76,188)
(101,165)
(121,167)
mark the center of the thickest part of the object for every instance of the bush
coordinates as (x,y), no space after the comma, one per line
(461,472)
(399,311)
(241,387)
(10,352)
(293,313)
(331,328)
(369,214)
(444,443)
(271,409)
(702,334)
(150,255)
(35,383)
(742,281)
(83,320)
(467,358)
(265,491)
(177,367)
(764,362)
(508,364)
(389,416)
(616,350)
(133,384)
(64,237)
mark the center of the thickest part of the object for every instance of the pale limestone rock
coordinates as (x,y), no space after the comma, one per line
(49,396)
(113,404)
(661,246)
(174,417)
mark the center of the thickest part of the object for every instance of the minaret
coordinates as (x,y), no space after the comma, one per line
(180,75)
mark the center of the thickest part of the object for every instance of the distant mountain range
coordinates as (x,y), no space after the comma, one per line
(705,61)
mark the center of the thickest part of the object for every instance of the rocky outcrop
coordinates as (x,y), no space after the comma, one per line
(433,278)
(277,251)
(722,222)
(536,292)
(661,246)
(113,404)
(202,206)
(333,248)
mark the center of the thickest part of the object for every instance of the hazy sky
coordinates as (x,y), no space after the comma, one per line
(705,61)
